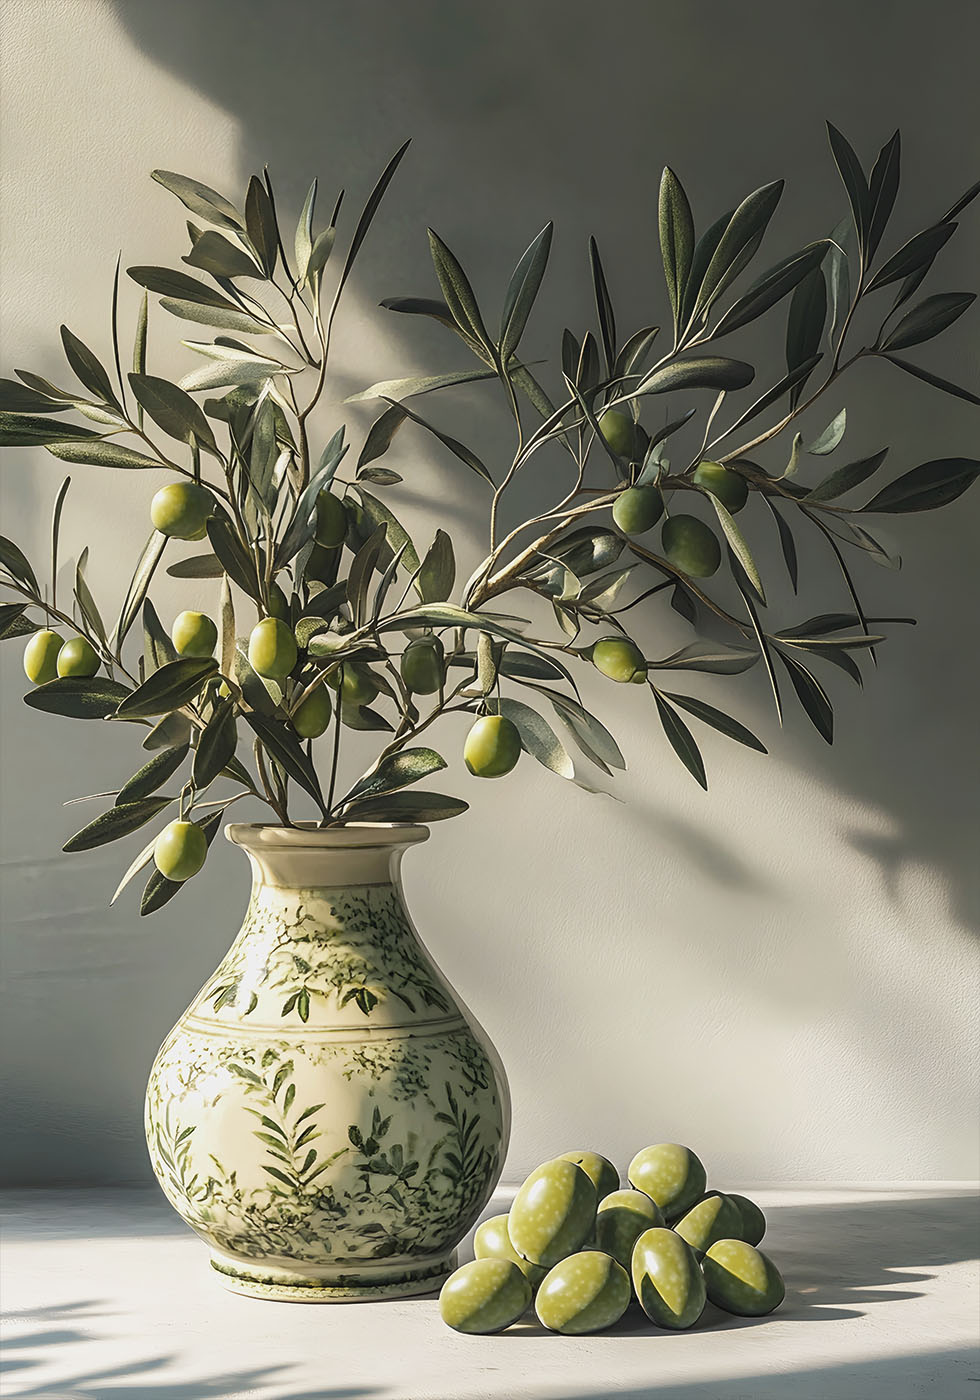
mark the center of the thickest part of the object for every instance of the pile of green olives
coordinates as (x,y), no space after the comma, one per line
(581,1248)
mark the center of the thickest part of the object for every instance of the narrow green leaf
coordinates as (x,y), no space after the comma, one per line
(399,389)
(704,372)
(222,318)
(411,807)
(200,199)
(917,252)
(281,743)
(537,737)
(88,368)
(23,430)
(926,487)
(139,585)
(216,745)
(805,326)
(928,377)
(152,775)
(458,449)
(738,244)
(681,740)
(398,770)
(198,566)
(380,437)
(13,623)
(170,732)
(119,821)
(103,454)
(846,478)
(778,282)
(603,305)
(853,178)
(86,603)
(718,720)
(745,589)
(789,382)
(218,255)
(367,214)
(437,573)
(178,286)
(523,290)
(811,696)
(21,398)
(830,438)
(172,686)
(397,537)
(786,541)
(676,225)
(235,559)
(173,411)
(739,547)
(260,224)
(15,561)
(883,190)
(708,656)
(928,319)
(78,698)
(458,293)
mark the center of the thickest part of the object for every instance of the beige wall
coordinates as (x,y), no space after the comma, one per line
(782,972)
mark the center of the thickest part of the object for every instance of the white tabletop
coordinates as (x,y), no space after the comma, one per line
(107,1296)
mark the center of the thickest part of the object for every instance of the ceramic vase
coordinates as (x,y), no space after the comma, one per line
(327,1114)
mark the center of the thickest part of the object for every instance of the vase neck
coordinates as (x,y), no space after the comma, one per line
(305,858)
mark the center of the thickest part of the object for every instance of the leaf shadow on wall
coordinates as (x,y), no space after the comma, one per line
(505,139)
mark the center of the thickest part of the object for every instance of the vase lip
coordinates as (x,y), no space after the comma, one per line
(310,836)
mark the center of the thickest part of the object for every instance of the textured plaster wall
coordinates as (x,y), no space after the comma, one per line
(782,972)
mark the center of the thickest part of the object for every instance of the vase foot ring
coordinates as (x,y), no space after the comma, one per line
(346,1288)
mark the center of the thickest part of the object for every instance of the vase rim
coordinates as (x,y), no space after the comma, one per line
(309,836)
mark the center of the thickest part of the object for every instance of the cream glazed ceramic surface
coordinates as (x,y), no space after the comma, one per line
(327,1114)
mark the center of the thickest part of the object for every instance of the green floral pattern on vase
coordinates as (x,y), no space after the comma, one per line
(327,1115)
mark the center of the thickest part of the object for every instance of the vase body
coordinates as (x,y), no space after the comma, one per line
(327,1114)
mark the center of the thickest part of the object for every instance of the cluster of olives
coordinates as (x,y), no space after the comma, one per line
(688,543)
(581,1248)
(47,656)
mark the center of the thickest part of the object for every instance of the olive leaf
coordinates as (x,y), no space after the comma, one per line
(103,454)
(811,696)
(152,775)
(525,283)
(173,411)
(121,820)
(681,740)
(396,771)
(458,293)
(411,807)
(216,745)
(537,737)
(78,698)
(281,743)
(708,714)
(437,572)
(24,430)
(175,684)
(927,487)
(928,319)
(704,372)
(676,240)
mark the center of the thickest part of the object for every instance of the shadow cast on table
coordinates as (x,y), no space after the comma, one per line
(840,1259)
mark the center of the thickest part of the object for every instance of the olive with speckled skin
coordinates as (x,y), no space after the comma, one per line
(671,1175)
(484,1296)
(741,1279)
(716,1217)
(553,1212)
(621,1219)
(587,1292)
(667,1279)
(492,1241)
(598,1169)
(753,1221)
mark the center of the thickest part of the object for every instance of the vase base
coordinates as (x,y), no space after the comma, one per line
(357,1285)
